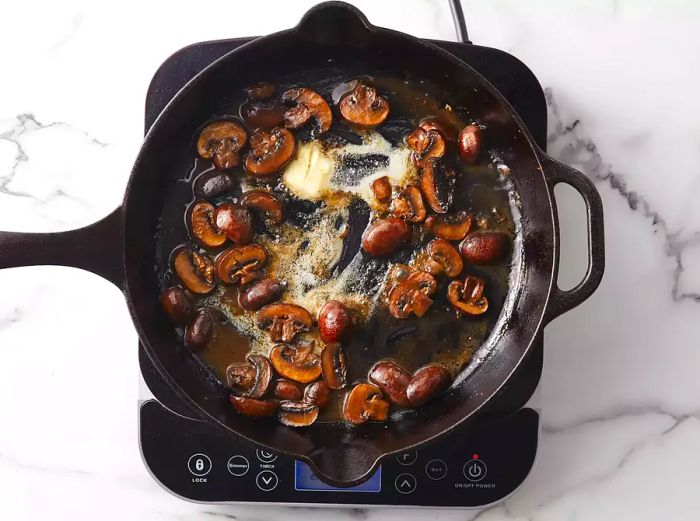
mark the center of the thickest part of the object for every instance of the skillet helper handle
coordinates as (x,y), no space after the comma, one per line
(562,301)
(95,248)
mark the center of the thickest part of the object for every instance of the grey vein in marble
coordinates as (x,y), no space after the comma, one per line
(583,151)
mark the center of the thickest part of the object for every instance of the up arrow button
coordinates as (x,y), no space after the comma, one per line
(405,483)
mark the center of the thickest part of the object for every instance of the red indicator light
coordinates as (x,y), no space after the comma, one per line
(475,456)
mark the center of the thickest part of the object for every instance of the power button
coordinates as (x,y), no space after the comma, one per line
(474,470)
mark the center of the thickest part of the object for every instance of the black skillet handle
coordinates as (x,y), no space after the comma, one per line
(96,248)
(562,301)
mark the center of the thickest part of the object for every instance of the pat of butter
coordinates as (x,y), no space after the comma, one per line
(309,175)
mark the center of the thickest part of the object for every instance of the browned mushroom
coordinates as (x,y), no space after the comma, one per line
(437,182)
(427,383)
(453,227)
(287,362)
(333,366)
(240,376)
(235,221)
(222,141)
(199,330)
(384,236)
(259,293)
(264,202)
(252,407)
(392,379)
(365,402)
(409,205)
(283,321)
(270,151)
(259,91)
(445,257)
(425,145)
(445,128)
(195,270)
(470,143)
(287,390)
(263,114)
(381,188)
(177,304)
(484,247)
(308,105)
(363,107)
(468,297)
(335,321)
(297,414)
(241,264)
(412,295)
(317,393)
(203,227)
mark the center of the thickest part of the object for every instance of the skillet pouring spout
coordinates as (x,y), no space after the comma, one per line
(346,465)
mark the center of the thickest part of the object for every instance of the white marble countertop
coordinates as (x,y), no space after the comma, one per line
(621,384)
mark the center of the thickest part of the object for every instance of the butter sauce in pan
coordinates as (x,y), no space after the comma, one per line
(339,250)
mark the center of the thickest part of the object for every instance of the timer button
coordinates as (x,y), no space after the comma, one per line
(474,470)
(199,464)
(265,457)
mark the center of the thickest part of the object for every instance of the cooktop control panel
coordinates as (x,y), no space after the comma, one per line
(474,466)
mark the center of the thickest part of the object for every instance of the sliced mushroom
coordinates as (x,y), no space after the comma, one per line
(241,264)
(446,129)
(287,390)
(259,293)
(264,202)
(297,414)
(409,205)
(333,366)
(484,247)
(438,182)
(283,321)
(289,365)
(252,407)
(365,402)
(444,257)
(240,376)
(261,90)
(363,107)
(453,227)
(177,304)
(203,227)
(222,141)
(392,379)
(412,295)
(335,321)
(317,393)
(195,270)
(468,297)
(470,139)
(384,236)
(308,104)
(199,330)
(426,145)
(427,383)
(269,151)
(381,188)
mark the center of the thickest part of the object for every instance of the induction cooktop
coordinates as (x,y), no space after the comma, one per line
(475,465)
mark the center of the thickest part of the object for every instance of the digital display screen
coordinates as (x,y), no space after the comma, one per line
(306,481)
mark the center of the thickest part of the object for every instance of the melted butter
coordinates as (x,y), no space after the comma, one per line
(317,172)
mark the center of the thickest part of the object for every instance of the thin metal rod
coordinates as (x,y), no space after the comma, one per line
(460,23)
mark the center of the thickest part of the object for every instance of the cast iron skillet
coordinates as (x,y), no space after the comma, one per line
(122,246)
